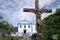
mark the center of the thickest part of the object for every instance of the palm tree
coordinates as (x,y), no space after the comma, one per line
(1,17)
(6,28)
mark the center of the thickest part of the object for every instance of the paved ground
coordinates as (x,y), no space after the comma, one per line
(26,37)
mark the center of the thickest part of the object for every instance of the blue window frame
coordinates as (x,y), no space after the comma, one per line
(24,26)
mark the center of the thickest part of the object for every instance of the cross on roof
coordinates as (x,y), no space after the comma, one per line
(38,13)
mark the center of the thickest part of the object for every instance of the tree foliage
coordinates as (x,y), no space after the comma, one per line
(51,25)
(6,28)
(1,17)
(34,36)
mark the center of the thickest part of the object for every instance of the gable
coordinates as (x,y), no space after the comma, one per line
(25,22)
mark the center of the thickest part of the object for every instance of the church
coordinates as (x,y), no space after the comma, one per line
(26,27)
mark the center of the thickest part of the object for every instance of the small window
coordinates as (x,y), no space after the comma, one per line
(24,26)
(20,26)
(29,26)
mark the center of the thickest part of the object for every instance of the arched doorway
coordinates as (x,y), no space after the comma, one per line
(24,31)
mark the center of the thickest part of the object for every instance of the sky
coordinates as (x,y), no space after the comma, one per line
(12,10)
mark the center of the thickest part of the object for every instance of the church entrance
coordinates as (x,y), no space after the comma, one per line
(25,31)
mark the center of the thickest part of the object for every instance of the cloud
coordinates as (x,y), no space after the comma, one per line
(43,3)
(58,6)
(12,10)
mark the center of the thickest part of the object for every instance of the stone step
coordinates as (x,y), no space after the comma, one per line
(26,37)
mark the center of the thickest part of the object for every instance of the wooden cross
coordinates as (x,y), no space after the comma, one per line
(38,13)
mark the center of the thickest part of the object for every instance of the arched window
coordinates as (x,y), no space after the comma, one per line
(20,26)
(29,26)
(24,26)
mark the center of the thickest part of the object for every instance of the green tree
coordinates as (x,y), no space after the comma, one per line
(51,25)
(1,17)
(6,28)
(34,36)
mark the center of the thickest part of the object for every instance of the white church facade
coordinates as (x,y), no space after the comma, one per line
(26,27)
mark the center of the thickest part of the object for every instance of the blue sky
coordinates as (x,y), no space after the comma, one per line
(12,10)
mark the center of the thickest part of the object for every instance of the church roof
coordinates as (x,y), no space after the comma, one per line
(25,22)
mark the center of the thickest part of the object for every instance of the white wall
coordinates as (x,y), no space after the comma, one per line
(34,29)
(22,29)
(28,29)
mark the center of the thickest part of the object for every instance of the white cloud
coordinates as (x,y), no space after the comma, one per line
(14,9)
(43,3)
(29,3)
(58,6)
